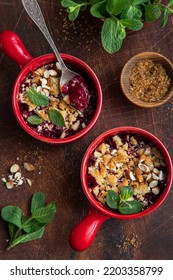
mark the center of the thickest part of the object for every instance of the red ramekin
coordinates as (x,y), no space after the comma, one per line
(13,47)
(83,234)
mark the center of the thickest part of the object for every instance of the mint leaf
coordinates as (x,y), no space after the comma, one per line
(37,201)
(37,98)
(68,3)
(152,12)
(126,192)
(170,2)
(115,7)
(45,214)
(27,237)
(33,226)
(73,14)
(99,9)
(132,24)
(111,35)
(56,117)
(12,229)
(165,18)
(131,12)
(12,214)
(138,2)
(130,207)
(35,120)
(112,199)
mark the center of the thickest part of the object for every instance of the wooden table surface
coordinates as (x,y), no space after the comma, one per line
(58,167)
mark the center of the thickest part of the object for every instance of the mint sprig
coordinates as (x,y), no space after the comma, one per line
(23,229)
(121,201)
(120,15)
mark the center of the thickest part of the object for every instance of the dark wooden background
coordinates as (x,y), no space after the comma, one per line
(58,167)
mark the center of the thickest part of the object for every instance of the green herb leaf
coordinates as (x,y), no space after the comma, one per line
(131,12)
(33,226)
(165,18)
(112,199)
(35,120)
(56,117)
(130,207)
(37,98)
(115,7)
(132,24)
(126,192)
(170,2)
(12,229)
(152,12)
(111,35)
(12,214)
(68,3)
(37,201)
(74,14)
(45,214)
(138,2)
(99,9)
(27,237)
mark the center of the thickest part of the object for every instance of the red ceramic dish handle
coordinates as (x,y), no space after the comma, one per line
(83,234)
(12,46)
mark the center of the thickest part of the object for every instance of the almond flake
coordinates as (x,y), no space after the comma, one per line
(52,72)
(155,190)
(161,176)
(144,167)
(20,182)
(46,74)
(10,184)
(14,168)
(132,177)
(29,182)
(153,184)
(147,150)
(17,176)
(4,180)
(28,166)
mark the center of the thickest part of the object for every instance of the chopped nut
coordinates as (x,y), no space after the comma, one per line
(144,167)
(155,190)
(10,184)
(29,181)
(153,184)
(46,74)
(17,175)
(3,180)
(28,166)
(14,168)
(52,72)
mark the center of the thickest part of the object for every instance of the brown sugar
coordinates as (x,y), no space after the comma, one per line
(148,81)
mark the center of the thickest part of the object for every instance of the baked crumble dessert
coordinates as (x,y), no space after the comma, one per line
(127,160)
(50,113)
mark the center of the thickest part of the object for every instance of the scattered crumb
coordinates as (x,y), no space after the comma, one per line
(15,178)
(129,242)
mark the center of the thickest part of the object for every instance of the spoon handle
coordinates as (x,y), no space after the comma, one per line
(33,10)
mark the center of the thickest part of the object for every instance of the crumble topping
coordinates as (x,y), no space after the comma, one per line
(124,160)
(46,81)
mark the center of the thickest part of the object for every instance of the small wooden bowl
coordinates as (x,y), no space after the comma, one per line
(126,71)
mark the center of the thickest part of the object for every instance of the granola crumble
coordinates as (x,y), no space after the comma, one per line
(148,81)
(46,81)
(124,160)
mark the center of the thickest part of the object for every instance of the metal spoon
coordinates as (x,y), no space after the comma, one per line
(33,10)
